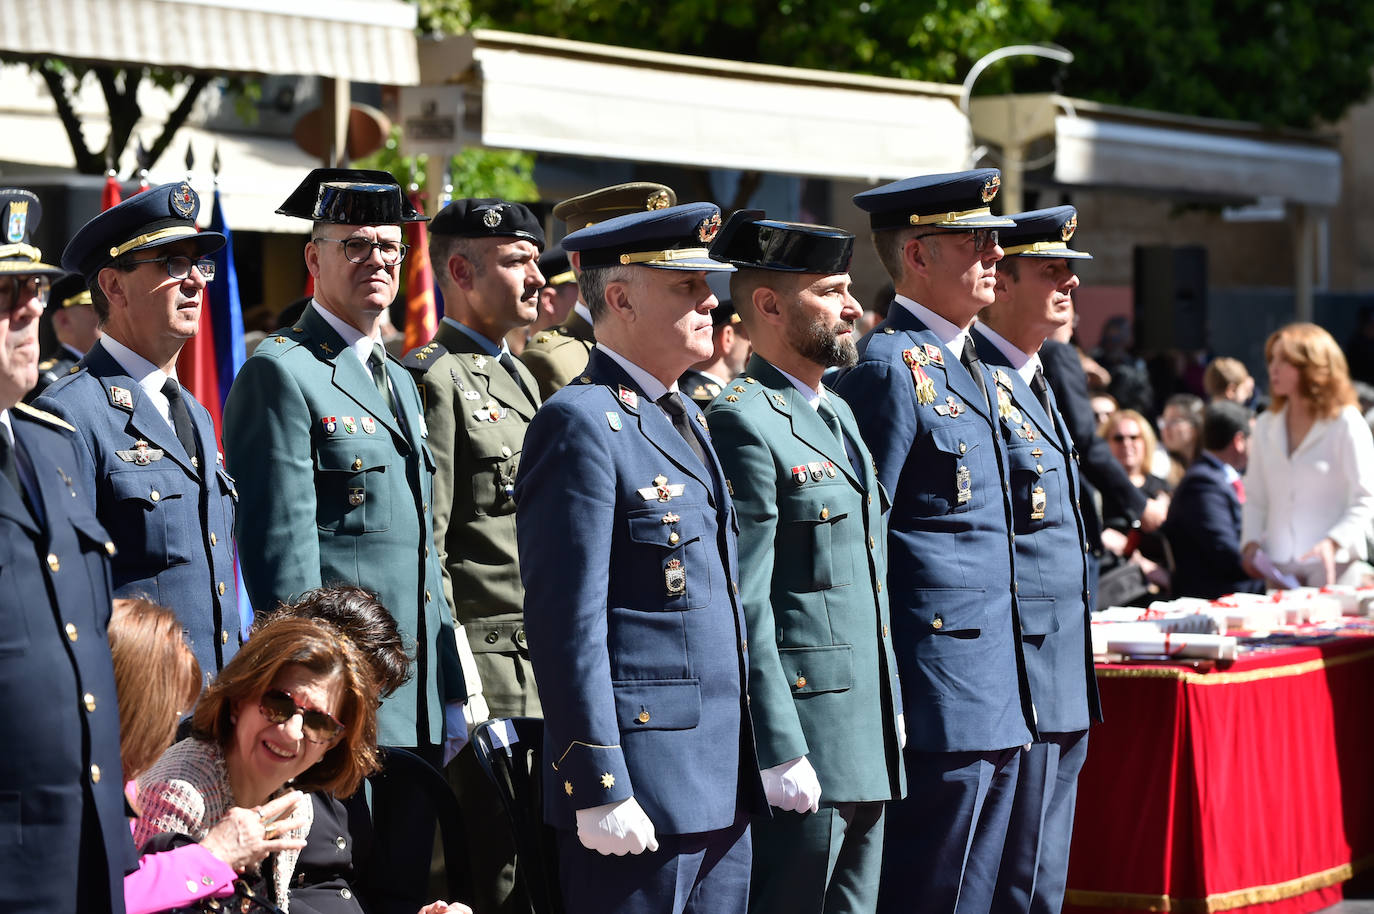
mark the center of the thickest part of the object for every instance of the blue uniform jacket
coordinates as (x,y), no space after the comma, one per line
(627,551)
(954,615)
(1203,530)
(60,718)
(1051,557)
(172,521)
(336,489)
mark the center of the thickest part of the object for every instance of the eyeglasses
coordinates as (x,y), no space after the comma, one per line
(1122,439)
(359,250)
(983,238)
(278,706)
(17,291)
(179,267)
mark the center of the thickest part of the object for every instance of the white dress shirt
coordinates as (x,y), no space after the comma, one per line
(1024,363)
(147,375)
(949,334)
(653,388)
(1325,488)
(353,337)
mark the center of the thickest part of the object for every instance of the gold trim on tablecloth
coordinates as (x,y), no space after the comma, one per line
(1222,901)
(1196,678)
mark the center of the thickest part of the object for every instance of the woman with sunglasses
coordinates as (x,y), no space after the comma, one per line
(1132,442)
(295,707)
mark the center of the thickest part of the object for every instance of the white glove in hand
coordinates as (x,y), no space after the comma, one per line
(476,710)
(901,731)
(455,729)
(792,786)
(616,828)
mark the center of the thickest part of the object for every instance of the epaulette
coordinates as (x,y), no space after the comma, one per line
(47,364)
(740,387)
(44,417)
(424,356)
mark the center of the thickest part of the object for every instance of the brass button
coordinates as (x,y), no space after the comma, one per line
(870,499)
(801,682)
(505,451)
(880,587)
(234,493)
(672,539)
(95,774)
(825,513)
(71,631)
(426,552)
(53,563)
(424,507)
(345,894)
(938,623)
(427,596)
(643,717)
(154,495)
(884,631)
(341,842)
(520,637)
(963,448)
(221,588)
(1039,468)
(492,637)
(223,636)
(358,463)
(89,701)
(744,644)
(872,543)
(1015,588)
(109,547)
(214,540)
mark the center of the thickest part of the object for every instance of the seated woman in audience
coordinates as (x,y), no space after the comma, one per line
(1180,427)
(1132,440)
(146,637)
(326,868)
(1309,486)
(295,706)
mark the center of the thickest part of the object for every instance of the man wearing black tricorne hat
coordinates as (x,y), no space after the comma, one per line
(327,435)
(160,485)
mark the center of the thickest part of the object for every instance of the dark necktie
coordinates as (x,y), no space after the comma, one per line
(378,365)
(672,404)
(181,417)
(1042,390)
(975,367)
(508,362)
(826,411)
(7,465)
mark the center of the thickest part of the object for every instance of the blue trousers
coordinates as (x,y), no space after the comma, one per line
(1035,865)
(943,843)
(702,873)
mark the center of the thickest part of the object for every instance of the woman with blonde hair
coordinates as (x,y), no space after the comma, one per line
(1132,442)
(1309,488)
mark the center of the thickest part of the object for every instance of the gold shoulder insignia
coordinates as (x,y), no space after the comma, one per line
(47,364)
(44,417)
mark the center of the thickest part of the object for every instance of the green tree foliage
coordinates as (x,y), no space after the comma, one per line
(475,172)
(1279,62)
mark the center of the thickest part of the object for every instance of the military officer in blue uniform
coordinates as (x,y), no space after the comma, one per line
(921,400)
(1034,283)
(822,676)
(74,326)
(628,555)
(64,841)
(149,453)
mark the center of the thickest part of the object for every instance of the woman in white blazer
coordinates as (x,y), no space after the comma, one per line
(1309,488)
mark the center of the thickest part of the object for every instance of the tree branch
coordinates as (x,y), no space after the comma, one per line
(87,162)
(177,117)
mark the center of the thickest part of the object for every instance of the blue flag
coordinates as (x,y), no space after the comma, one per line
(226,313)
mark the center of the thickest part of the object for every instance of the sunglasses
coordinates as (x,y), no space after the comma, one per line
(278,706)
(983,238)
(1122,439)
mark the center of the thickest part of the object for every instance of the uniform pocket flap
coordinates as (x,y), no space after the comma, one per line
(957,438)
(487,442)
(658,704)
(954,619)
(664,525)
(1022,460)
(818,669)
(1038,616)
(818,506)
(149,488)
(343,456)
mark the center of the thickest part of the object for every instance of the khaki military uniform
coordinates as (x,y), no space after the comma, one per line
(559,354)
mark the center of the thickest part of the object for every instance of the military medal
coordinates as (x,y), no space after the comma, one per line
(369,425)
(629,397)
(817,471)
(701,420)
(1004,406)
(470,395)
(355,497)
(829,469)
(963,483)
(935,354)
(1001,378)
(121,397)
(675,578)
(661,490)
(1038,503)
(330,424)
(951,407)
(925,387)
(799,474)
(140,455)
(613,420)
(479,361)
(670,518)
(349,424)
(1026,431)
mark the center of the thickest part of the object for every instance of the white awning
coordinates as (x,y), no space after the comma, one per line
(359,40)
(549,95)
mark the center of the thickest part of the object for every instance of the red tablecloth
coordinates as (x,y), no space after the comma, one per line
(1242,786)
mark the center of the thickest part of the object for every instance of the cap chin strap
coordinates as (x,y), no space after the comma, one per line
(1036,247)
(175,231)
(950,217)
(665,256)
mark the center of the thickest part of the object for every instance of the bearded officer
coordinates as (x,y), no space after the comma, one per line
(559,354)
(1034,283)
(478,402)
(150,453)
(628,554)
(822,676)
(65,843)
(328,434)
(919,394)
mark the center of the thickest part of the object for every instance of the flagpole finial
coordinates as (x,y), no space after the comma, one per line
(215,163)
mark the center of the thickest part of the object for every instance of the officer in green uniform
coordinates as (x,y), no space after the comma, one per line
(478,402)
(335,479)
(74,327)
(822,675)
(559,354)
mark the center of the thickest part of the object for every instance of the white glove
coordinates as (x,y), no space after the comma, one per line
(901,731)
(476,710)
(792,786)
(616,828)
(455,729)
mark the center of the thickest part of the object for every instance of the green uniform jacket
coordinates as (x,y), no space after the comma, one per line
(334,489)
(477,417)
(813,559)
(558,355)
